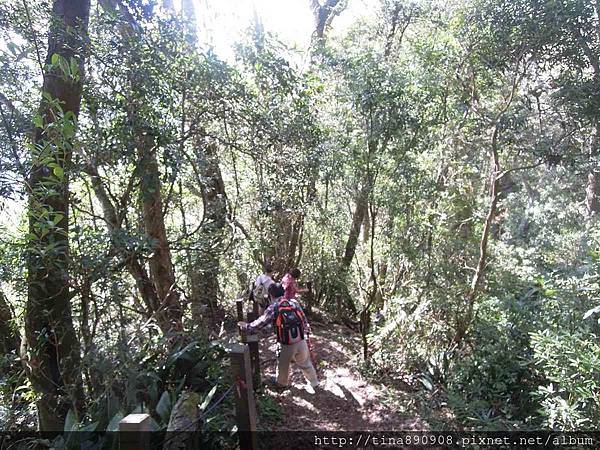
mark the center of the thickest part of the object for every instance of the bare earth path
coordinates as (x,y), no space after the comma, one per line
(346,402)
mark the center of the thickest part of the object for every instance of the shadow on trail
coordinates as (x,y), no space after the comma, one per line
(345,401)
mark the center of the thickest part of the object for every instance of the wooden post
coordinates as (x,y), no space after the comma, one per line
(252,341)
(255,308)
(250,317)
(245,406)
(134,432)
(239,304)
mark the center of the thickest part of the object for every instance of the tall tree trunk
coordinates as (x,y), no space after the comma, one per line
(358,217)
(372,294)
(53,363)
(284,249)
(361,208)
(85,290)
(400,18)
(533,197)
(132,261)
(206,268)
(366,226)
(592,191)
(464,321)
(168,311)
(212,231)
(169,314)
(323,15)
(9,336)
(294,247)
(340,291)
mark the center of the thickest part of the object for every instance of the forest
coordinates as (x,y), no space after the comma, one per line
(430,167)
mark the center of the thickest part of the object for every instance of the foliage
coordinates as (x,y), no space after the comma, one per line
(570,363)
(365,160)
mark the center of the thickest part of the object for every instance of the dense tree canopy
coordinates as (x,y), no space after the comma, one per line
(431,167)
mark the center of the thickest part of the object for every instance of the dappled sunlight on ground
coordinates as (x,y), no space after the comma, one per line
(345,400)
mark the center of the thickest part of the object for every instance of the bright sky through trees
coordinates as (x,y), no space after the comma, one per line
(431,167)
(221,23)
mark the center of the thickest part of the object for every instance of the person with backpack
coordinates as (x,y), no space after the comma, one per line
(292,331)
(290,284)
(260,288)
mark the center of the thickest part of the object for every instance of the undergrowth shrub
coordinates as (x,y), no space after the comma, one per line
(570,363)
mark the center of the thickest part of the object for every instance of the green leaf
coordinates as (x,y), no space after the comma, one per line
(38,121)
(64,66)
(68,130)
(426,383)
(113,425)
(163,408)
(58,172)
(153,425)
(23,387)
(70,421)
(89,427)
(14,48)
(181,353)
(57,217)
(589,312)
(208,398)
(74,67)
(594,254)
(55,58)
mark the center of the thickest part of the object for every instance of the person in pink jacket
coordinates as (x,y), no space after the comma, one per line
(292,331)
(290,284)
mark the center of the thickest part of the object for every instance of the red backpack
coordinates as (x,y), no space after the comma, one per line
(287,323)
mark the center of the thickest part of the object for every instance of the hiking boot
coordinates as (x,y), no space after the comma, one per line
(314,389)
(272,382)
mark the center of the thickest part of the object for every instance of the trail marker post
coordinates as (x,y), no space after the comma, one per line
(245,405)
(252,340)
(134,432)
(239,305)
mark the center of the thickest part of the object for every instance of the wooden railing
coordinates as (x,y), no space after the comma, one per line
(246,377)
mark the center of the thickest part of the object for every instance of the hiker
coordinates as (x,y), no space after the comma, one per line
(290,284)
(260,288)
(292,331)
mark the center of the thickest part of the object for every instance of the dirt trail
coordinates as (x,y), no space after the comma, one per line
(346,402)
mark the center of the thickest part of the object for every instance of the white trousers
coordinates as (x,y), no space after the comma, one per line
(299,354)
